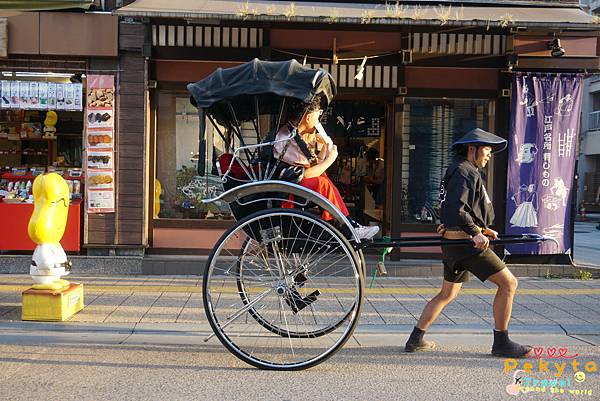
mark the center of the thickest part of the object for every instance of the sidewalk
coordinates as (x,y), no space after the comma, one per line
(122,306)
(586,251)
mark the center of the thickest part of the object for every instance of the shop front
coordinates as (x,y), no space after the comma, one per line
(410,82)
(357,126)
(51,109)
(359,121)
(41,130)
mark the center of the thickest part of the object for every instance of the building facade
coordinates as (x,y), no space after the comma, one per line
(47,59)
(589,159)
(413,76)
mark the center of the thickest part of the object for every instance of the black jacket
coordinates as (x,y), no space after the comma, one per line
(465,204)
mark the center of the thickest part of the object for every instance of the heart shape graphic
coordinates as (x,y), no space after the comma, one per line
(538,351)
(551,351)
(513,389)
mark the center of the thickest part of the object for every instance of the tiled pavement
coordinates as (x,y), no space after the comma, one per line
(391,301)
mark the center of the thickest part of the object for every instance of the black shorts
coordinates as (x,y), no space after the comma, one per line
(482,265)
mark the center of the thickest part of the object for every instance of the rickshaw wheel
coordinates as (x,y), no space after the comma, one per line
(291,298)
(272,326)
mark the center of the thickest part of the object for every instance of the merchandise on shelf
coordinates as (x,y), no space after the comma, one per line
(16,183)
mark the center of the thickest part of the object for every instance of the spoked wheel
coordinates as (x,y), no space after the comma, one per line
(291,298)
(247,272)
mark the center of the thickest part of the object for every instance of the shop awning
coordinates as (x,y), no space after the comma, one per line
(360,13)
(41,5)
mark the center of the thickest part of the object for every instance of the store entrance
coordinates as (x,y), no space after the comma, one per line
(41,130)
(358,128)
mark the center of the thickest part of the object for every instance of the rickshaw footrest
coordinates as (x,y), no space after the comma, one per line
(297,303)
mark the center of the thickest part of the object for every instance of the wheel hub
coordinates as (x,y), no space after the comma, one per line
(280,288)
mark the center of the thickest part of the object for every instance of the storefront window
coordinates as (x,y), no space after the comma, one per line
(41,131)
(182,189)
(358,130)
(431,126)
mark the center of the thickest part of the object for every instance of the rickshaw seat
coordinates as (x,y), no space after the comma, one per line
(236,172)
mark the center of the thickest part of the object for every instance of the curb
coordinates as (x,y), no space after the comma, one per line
(194,265)
(190,328)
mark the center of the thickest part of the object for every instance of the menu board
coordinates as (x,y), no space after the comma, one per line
(5,86)
(41,95)
(99,143)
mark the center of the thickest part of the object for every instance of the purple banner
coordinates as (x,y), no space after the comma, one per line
(541,160)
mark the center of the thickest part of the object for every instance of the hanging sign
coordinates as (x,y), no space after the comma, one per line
(99,143)
(32,95)
(541,160)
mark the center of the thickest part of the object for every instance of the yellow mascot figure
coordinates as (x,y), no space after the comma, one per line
(157,191)
(46,228)
(49,125)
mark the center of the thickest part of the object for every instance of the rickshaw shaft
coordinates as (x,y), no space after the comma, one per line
(438,242)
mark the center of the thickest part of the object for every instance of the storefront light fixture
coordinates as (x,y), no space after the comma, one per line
(76,78)
(43,74)
(556,50)
(7,74)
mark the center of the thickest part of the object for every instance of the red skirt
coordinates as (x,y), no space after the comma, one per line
(323,185)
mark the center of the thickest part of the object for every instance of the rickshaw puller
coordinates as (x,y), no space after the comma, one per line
(467,213)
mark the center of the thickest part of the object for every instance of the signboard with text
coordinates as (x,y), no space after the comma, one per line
(99,144)
(541,161)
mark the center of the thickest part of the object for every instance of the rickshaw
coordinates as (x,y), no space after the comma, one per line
(282,288)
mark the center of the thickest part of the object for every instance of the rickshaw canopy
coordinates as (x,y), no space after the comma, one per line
(270,80)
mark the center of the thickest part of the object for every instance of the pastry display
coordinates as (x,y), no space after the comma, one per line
(105,159)
(100,97)
(98,118)
(96,140)
(100,179)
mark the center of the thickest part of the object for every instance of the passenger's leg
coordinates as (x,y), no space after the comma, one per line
(323,185)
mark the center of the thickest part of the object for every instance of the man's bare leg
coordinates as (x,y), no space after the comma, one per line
(507,286)
(432,310)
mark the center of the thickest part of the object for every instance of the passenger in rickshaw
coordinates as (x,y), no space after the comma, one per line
(315,154)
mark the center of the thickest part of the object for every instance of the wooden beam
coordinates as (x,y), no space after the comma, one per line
(591,64)
(3,38)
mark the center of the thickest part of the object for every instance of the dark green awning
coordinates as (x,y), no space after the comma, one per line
(41,5)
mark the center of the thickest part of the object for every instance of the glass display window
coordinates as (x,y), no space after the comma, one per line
(181,188)
(358,130)
(430,128)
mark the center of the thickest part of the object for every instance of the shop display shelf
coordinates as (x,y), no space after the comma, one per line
(29,176)
(16,216)
(38,139)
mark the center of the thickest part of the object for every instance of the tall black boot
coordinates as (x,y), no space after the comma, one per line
(506,348)
(416,343)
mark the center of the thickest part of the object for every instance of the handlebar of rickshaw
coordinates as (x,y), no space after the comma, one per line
(423,241)
(388,243)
